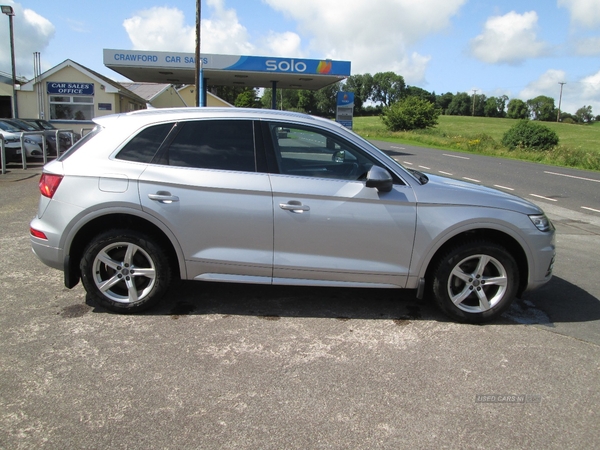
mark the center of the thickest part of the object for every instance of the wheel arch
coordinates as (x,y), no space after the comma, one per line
(492,235)
(78,243)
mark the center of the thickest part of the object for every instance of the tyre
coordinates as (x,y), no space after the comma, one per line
(475,281)
(124,271)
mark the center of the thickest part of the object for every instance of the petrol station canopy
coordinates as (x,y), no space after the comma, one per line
(226,70)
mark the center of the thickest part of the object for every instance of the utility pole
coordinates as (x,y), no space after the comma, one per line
(199,81)
(474,97)
(10,12)
(560,100)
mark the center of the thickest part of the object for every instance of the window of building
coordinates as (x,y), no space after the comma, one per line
(71,107)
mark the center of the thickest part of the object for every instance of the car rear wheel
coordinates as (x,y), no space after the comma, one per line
(475,282)
(125,271)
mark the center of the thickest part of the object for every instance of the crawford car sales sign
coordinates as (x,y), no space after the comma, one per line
(65,88)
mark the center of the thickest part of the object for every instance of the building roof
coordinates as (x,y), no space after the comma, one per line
(148,91)
(110,86)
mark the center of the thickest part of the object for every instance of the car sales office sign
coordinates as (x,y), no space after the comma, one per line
(65,88)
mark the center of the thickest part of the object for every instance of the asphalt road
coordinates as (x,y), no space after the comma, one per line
(575,189)
(234,366)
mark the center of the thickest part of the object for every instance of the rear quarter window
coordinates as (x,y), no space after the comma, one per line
(145,144)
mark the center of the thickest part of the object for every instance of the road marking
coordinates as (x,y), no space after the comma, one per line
(542,197)
(445,173)
(591,209)
(425,167)
(503,187)
(397,148)
(406,162)
(572,176)
(471,179)
(456,156)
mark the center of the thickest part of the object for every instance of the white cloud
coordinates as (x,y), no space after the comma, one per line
(576,93)
(164,29)
(508,39)
(160,28)
(32,33)
(590,91)
(374,37)
(584,12)
(283,44)
(588,46)
(547,84)
(348,30)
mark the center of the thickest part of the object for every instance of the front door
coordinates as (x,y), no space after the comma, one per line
(328,226)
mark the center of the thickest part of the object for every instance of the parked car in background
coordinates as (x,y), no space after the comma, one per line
(271,197)
(33,143)
(12,142)
(66,139)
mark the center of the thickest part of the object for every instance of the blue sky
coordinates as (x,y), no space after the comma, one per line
(498,47)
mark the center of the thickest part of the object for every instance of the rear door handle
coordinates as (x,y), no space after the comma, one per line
(163,197)
(294,206)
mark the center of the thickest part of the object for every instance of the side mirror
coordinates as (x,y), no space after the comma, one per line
(380,179)
(339,156)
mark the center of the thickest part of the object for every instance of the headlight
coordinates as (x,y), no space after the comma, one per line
(541,222)
(30,141)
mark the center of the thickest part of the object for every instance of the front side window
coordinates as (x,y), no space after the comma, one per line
(71,107)
(213,144)
(317,153)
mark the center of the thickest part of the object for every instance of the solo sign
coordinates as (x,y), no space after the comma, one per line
(65,88)
(285,66)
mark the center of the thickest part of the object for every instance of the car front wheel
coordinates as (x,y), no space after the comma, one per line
(475,282)
(125,271)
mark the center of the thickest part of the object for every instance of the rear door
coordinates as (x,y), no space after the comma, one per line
(205,187)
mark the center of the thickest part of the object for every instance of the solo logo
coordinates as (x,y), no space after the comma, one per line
(285,66)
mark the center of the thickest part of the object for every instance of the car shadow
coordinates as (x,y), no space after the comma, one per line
(558,301)
(272,302)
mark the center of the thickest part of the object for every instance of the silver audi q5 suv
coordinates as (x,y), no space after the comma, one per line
(258,196)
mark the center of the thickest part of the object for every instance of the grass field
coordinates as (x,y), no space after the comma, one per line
(579,145)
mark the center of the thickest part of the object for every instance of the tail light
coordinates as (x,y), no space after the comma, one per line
(38,233)
(49,184)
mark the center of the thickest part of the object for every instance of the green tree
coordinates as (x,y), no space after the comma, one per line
(388,88)
(307,101)
(460,105)
(287,99)
(414,91)
(227,93)
(530,135)
(585,115)
(362,87)
(326,99)
(542,108)
(410,113)
(517,109)
(247,99)
(479,105)
(495,106)
(442,101)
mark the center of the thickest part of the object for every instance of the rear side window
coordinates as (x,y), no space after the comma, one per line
(213,144)
(144,146)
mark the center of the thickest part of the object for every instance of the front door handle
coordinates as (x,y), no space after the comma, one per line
(163,197)
(294,206)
